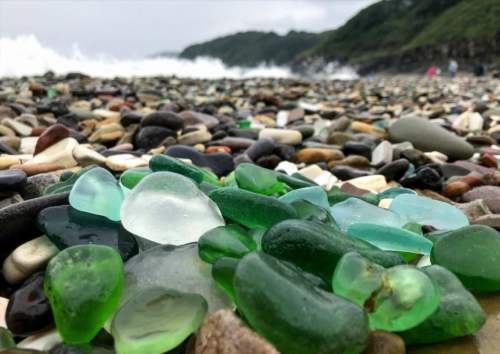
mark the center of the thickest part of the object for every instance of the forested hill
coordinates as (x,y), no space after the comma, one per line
(389,33)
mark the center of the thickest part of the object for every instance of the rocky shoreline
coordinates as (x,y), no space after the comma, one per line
(249,216)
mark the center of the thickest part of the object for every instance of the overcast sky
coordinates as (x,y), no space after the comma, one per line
(127,29)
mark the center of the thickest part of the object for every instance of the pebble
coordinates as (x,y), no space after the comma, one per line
(224,333)
(281,136)
(122,162)
(50,136)
(315,155)
(60,153)
(426,136)
(489,194)
(27,259)
(12,180)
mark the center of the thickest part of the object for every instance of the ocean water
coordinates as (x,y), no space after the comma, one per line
(26,55)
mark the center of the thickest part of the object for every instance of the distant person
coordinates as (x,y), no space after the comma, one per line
(432,71)
(453,68)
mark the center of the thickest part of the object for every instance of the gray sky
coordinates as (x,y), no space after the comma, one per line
(127,29)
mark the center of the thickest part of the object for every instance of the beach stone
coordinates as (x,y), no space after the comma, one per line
(20,128)
(339,138)
(489,194)
(373,183)
(97,192)
(161,206)
(281,136)
(27,259)
(106,133)
(19,220)
(130,118)
(50,136)
(166,119)
(60,153)
(33,169)
(13,199)
(455,189)
(196,137)
(381,342)
(29,311)
(193,118)
(346,172)
(356,148)
(86,156)
(12,180)
(491,220)
(394,170)
(156,320)
(224,333)
(67,227)
(39,343)
(3,309)
(173,267)
(8,160)
(220,163)
(426,136)
(24,145)
(83,284)
(150,137)
(474,209)
(122,162)
(36,184)
(315,155)
(471,253)
(382,153)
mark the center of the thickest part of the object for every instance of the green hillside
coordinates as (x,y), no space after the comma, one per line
(388,33)
(253,48)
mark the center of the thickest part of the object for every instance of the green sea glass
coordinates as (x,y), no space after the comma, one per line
(473,254)
(156,320)
(97,192)
(314,195)
(83,285)
(316,248)
(295,181)
(459,314)
(251,209)
(390,238)
(171,164)
(131,177)
(295,316)
(356,278)
(6,340)
(257,179)
(427,211)
(230,241)
(309,211)
(223,271)
(407,297)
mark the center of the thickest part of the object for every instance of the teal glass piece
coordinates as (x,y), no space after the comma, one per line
(427,211)
(65,184)
(390,238)
(309,211)
(394,192)
(166,163)
(407,297)
(223,271)
(257,179)
(230,241)
(355,211)
(131,177)
(315,195)
(356,278)
(335,196)
(97,192)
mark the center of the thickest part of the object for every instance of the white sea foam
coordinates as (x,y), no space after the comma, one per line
(26,55)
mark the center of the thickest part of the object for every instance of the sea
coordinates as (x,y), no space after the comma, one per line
(26,55)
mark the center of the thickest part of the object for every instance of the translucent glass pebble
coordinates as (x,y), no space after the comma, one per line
(314,195)
(354,210)
(427,211)
(168,208)
(390,238)
(97,192)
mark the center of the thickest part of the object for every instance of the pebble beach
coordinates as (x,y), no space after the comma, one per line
(168,215)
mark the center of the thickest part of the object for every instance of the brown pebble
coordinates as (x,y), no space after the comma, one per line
(314,155)
(49,137)
(36,168)
(455,189)
(488,160)
(224,333)
(37,131)
(381,342)
(215,149)
(352,189)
